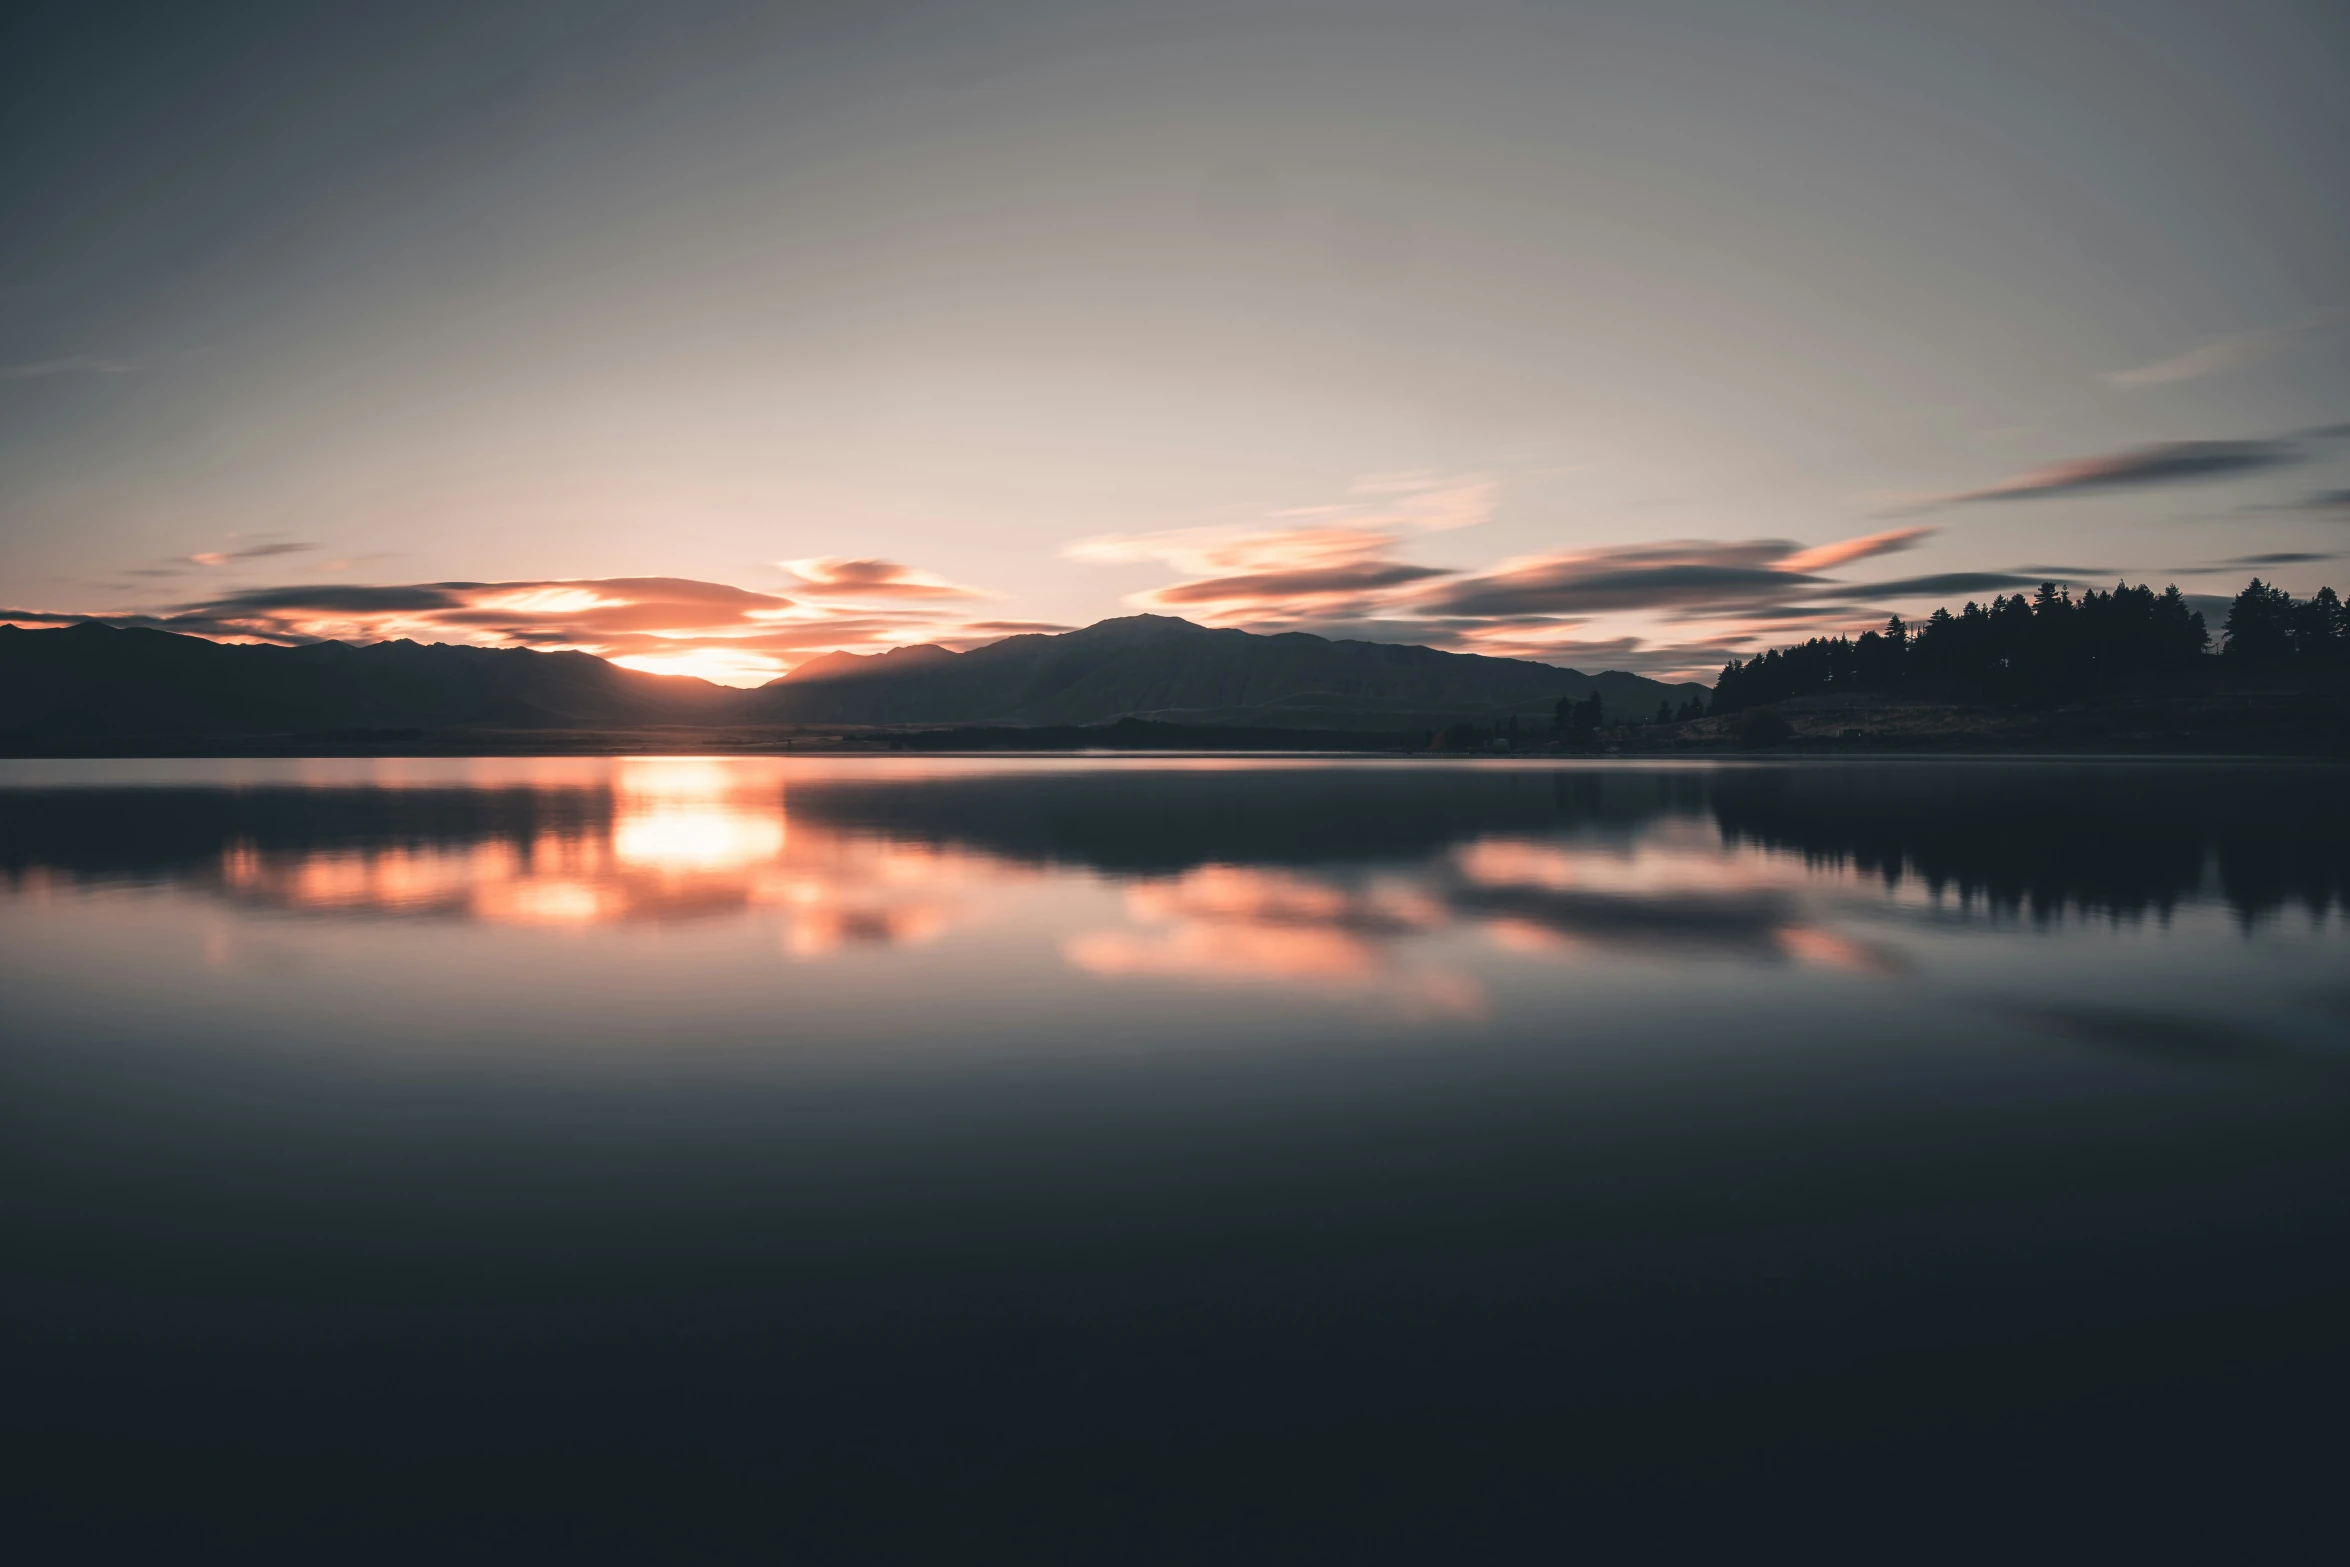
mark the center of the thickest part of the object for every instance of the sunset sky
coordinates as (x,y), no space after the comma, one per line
(713,336)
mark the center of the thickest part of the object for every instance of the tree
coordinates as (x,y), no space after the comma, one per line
(2260,623)
(2321,627)
(2180,633)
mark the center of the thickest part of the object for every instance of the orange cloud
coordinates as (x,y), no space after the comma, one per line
(827,576)
(1846,551)
(662,625)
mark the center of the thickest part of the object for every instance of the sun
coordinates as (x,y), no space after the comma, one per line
(720,665)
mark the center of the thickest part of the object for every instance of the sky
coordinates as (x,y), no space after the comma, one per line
(712,337)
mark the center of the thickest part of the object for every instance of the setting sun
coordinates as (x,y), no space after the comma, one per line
(716,663)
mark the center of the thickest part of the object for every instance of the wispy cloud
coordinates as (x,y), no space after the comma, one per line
(1300,571)
(250,552)
(1417,500)
(830,577)
(71,364)
(2141,467)
(1345,580)
(2231,351)
(2275,558)
(2171,462)
(1843,553)
(1946,584)
(1380,512)
(1685,574)
(1304,563)
(2335,501)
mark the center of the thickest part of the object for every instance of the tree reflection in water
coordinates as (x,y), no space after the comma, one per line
(1347,879)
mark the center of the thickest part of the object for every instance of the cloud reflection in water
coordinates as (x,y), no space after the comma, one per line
(1416,890)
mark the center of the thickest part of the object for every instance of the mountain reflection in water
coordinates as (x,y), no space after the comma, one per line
(1660,848)
(1358,882)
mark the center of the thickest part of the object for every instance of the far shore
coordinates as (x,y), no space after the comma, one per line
(2234,728)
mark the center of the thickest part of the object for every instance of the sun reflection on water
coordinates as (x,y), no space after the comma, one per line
(681,839)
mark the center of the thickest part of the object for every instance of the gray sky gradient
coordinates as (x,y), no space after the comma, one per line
(1402,311)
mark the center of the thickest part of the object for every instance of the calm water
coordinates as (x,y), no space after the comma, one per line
(1089,1160)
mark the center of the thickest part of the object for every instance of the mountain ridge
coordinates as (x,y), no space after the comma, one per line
(1159,666)
(96,680)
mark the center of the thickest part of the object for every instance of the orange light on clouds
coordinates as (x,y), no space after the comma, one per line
(548,601)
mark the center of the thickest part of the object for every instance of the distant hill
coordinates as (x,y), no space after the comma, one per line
(94,680)
(100,682)
(1162,668)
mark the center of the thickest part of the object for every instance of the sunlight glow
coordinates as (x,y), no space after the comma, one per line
(724,666)
(679,837)
(548,601)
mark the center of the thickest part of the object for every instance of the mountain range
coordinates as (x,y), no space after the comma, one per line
(104,681)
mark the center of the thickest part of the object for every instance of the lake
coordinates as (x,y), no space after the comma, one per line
(1093,1159)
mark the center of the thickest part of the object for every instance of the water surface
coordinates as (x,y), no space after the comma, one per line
(1171,1159)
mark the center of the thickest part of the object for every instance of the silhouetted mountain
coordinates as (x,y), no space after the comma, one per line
(1159,667)
(852,666)
(100,680)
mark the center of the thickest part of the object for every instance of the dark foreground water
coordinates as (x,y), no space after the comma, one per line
(1155,1160)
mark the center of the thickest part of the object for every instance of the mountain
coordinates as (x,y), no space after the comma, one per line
(1160,667)
(102,681)
(99,680)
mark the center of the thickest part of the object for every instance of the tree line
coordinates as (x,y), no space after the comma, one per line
(2045,646)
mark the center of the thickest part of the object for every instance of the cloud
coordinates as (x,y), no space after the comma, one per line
(1298,559)
(1312,569)
(249,552)
(1324,573)
(1682,575)
(337,598)
(1279,575)
(2315,500)
(1944,583)
(2233,351)
(827,576)
(2280,558)
(1418,500)
(1012,628)
(1291,587)
(2172,462)
(1588,584)
(1850,550)
(71,364)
